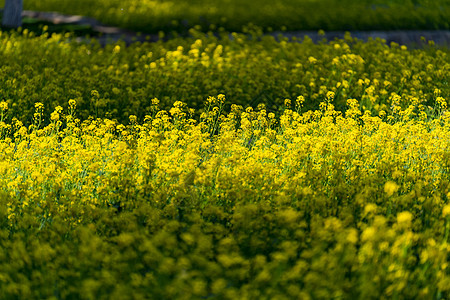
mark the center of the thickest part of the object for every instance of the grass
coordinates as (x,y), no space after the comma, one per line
(234,15)
(37,27)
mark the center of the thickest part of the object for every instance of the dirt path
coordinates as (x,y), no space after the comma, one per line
(112,34)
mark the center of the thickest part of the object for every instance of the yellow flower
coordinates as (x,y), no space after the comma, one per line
(370,208)
(133,119)
(72,103)
(330,96)
(221,98)
(446,210)
(54,116)
(352,236)
(368,234)
(441,102)
(3,105)
(299,101)
(312,60)
(155,101)
(38,106)
(404,218)
(390,188)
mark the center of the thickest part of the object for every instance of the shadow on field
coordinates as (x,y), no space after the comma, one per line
(84,28)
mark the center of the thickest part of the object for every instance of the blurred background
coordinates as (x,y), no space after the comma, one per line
(152,16)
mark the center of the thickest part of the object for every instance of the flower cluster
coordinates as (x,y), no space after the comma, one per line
(249,70)
(231,204)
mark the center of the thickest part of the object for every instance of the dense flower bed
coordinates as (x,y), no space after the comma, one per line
(313,204)
(325,173)
(233,15)
(118,81)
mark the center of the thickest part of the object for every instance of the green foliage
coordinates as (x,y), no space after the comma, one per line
(255,252)
(39,27)
(234,15)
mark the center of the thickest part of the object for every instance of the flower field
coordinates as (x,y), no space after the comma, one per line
(237,166)
(118,81)
(318,204)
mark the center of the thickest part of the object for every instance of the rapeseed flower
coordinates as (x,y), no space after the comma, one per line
(446,210)
(404,219)
(390,188)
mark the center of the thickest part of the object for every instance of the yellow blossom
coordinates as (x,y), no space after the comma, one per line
(446,210)
(390,188)
(404,218)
